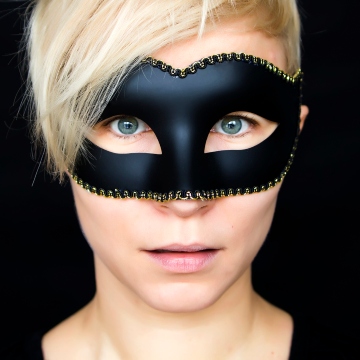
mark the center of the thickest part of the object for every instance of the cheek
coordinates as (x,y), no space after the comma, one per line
(246,220)
(110,221)
(117,230)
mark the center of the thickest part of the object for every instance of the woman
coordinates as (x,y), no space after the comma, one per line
(173,277)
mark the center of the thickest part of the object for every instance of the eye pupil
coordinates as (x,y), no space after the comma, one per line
(128,126)
(231,126)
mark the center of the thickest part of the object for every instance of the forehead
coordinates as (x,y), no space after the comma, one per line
(234,34)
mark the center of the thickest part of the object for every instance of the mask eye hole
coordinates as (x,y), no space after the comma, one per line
(125,134)
(238,131)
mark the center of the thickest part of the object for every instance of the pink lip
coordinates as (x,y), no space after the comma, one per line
(183,259)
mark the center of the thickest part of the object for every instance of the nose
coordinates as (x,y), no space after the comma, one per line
(185,208)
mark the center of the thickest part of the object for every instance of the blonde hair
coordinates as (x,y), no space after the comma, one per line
(80,51)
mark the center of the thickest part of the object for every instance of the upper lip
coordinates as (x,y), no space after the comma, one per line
(183,248)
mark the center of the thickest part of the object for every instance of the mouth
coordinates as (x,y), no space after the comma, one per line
(183,259)
(159,251)
(182,249)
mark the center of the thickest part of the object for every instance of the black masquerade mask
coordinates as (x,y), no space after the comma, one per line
(181,107)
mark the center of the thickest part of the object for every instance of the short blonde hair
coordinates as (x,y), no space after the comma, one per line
(80,51)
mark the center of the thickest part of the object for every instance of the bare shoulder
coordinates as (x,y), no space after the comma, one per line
(276,334)
(68,340)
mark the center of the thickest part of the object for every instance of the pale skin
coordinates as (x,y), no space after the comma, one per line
(139,310)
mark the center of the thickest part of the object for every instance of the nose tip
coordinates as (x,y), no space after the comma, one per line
(185,208)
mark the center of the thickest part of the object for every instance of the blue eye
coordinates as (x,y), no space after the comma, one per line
(231,125)
(128,125)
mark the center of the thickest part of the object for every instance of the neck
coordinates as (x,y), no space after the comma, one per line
(123,324)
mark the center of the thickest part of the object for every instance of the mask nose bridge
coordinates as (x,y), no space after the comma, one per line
(182,141)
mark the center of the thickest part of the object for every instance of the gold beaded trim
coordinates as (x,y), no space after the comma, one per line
(185,195)
(219,58)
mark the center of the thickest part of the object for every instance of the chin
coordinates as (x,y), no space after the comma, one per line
(182,297)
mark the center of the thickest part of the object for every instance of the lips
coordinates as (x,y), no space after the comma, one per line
(183,259)
(182,248)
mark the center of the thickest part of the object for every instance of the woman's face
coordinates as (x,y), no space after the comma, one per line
(181,256)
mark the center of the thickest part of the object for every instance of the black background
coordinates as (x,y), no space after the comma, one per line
(310,261)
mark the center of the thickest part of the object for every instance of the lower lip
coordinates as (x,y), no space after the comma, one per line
(183,262)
